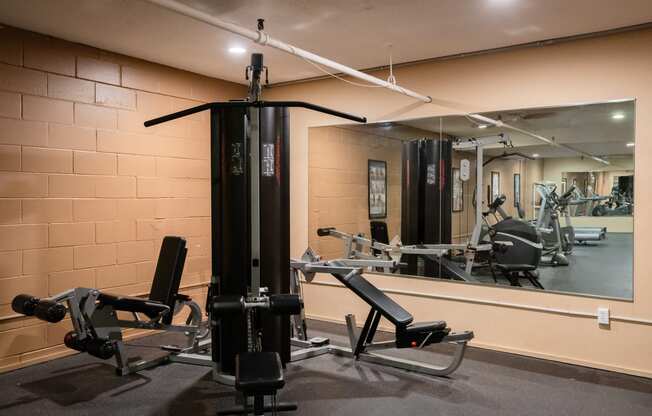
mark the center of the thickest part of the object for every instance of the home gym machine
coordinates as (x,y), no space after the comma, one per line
(250,219)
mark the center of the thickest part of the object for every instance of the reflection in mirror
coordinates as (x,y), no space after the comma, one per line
(533,198)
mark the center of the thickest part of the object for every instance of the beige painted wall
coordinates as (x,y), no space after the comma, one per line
(338,184)
(555,326)
(554,167)
(86,192)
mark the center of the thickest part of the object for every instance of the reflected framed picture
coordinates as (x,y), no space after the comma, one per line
(377,188)
(458,191)
(517,189)
(495,186)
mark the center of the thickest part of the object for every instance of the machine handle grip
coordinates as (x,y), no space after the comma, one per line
(226,305)
(568,193)
(500,199)
(323,232)
(285,304)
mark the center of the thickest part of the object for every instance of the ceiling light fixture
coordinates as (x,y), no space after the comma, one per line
(535,155)
(618,116)
(236,50)
(483,126)
(630,144)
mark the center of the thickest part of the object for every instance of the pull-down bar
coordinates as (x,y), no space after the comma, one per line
(259,104)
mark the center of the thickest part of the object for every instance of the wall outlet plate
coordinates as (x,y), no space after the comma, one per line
(603,316)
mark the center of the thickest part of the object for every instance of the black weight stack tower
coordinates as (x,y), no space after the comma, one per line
(426,200)
(250,215)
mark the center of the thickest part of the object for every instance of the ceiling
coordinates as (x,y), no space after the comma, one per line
(352,32)
(589,128)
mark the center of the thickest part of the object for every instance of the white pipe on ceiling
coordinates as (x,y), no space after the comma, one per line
(264,39)
(500,123)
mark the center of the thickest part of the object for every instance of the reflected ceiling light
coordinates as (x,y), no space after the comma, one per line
(618,116)
(483,126)
(630,144)
(237,50)
(535,155)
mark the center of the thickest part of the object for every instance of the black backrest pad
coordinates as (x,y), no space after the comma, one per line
(379,231)
(389,309)
(168,271)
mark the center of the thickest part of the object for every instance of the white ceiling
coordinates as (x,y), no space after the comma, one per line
(352,32)
(589,128)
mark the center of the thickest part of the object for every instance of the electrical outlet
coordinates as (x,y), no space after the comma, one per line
(603,316)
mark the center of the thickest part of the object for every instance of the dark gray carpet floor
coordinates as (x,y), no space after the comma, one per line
(487,383)
(601,268)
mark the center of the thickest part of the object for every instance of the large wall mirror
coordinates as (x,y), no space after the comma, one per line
(537,198)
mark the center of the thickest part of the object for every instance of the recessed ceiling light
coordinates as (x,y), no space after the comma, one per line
(535,155)
(483,126)
(236,50)
(618,116)
(630,144)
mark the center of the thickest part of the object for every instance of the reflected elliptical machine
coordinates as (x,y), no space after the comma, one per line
(558,240)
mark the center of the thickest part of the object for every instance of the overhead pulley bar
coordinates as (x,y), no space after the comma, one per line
(244,104)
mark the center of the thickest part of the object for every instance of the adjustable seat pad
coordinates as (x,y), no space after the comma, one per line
(515,267)
(165,286)
(389,309)
(426,326)
(169,269)
(258,372)
(132,304)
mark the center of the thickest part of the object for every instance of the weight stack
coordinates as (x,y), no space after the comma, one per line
(426,199)
(232,130)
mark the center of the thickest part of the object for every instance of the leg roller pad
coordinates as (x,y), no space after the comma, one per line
(24,304)
(50,311)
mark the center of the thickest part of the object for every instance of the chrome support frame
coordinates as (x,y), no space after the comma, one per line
(89,320)
(366,353)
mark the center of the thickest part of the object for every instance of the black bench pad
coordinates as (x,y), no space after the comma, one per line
(132,304)
(258,373)
(509,268)
(375,298)
(426,326)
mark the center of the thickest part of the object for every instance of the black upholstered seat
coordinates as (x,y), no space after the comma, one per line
(511,268)
(132,304)
(426,326)
(258,373)
(163,294)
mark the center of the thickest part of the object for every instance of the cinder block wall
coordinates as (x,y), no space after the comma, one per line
(86,192)
(338,184)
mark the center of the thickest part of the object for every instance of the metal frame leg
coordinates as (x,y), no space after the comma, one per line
(364,335)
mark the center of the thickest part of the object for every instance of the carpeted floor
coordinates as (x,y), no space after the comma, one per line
(487,383)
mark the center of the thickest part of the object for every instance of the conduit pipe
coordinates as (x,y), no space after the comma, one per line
(500,123)
(264,39)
